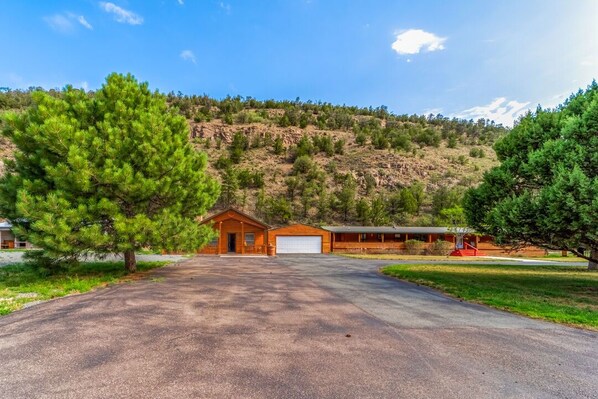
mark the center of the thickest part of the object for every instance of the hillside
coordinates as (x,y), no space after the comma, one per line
(319,163)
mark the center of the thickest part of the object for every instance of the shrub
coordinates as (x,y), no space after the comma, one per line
(228,119)
(223,162)
(339,147)
(361,138)
(324,144)
(237,148)
(45,264)
(452,142)
(302,165)
(477,153)
(414,247)
(440,247)
(278,146)
(379,141)
(402,142)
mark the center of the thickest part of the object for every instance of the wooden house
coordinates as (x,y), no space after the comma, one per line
(238,233)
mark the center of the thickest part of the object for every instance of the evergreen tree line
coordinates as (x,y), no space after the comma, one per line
(324,116)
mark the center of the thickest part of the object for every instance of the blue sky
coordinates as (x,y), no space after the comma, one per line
(470,59)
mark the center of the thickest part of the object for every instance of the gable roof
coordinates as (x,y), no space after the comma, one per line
(298,224)
(251,219)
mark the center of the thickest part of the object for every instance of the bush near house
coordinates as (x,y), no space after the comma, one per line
(440,247)
(414,247)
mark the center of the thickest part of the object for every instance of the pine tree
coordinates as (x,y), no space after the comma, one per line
(278,146)
(323,206)
(346,198)
(105,174)
(230,186)
(362,209)
(378,214)
(545,191)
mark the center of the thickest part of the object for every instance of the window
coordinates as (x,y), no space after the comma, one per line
(214,242)
(249,238)
(364,236)
(419,237)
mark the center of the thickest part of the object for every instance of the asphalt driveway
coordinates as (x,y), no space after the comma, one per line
(292,327)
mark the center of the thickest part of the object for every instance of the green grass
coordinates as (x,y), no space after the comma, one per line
(22,283)
(460,258)
(562,294)
(416,257)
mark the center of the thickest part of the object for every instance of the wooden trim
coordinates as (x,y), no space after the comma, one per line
(251,219)
(219,238)
(242,238)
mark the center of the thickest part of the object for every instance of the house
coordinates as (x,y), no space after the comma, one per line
(237,233)
(8,240)
(391,239)
(240,233)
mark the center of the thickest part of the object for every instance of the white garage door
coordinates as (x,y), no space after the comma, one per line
(298,244)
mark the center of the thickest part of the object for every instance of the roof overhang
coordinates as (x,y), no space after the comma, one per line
(394,230)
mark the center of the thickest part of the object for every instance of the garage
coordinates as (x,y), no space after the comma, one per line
(299,239)
(299,244)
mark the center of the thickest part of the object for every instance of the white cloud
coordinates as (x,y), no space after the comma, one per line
(121,15)
(81,19)
(188,55)
(59,23)
(181,2)
(413,41)
(499,110)
(225,6)
(64,22)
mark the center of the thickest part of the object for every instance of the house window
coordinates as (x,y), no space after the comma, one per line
(214,242)
(364,236)
(419,237)
(249,238)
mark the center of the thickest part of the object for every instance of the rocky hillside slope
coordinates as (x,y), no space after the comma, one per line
(319,163)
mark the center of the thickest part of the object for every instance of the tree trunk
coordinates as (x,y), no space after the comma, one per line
(593,263)
(130,261)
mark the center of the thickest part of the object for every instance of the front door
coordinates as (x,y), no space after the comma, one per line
(232,242)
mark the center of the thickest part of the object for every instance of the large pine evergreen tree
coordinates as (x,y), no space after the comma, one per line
(109,173)
(545,191)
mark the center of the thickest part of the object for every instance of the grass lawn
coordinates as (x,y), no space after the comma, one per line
(21,283)
(459,258)
(415,257)
(563,294)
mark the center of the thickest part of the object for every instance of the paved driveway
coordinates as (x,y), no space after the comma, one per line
(277,328)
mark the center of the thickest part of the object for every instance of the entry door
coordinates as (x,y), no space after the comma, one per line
(232,242)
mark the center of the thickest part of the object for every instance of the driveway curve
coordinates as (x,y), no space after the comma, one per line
(288,327)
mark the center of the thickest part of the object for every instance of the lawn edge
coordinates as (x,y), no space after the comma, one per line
(510,311)
(128,278)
